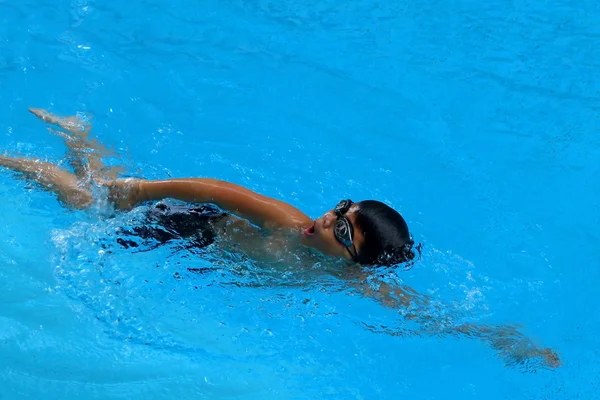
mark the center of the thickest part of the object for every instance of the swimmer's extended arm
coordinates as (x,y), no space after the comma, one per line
(258,209)
(510,343)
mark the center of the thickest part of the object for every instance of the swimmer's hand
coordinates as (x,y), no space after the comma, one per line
(550,357)
(512,346)
(124,193)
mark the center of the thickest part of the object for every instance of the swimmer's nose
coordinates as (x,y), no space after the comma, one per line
(328,220)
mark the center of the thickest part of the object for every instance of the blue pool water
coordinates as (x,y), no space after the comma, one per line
(477,120)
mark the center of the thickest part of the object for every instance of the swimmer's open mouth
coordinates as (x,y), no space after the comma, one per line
(310,231)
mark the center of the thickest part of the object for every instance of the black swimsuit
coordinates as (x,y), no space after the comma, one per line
(163,223)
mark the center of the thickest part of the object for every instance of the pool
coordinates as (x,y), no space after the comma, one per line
(477,120)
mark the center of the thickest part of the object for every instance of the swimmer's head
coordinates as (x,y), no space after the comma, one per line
(369,232)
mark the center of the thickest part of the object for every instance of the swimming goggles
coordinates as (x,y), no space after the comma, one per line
(344,231)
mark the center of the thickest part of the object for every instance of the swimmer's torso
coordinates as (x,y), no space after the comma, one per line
(207,227)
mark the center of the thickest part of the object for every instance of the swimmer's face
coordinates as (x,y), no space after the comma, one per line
(335,233)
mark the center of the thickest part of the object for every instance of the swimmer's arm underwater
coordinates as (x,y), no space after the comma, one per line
(510,343)
(259,209)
